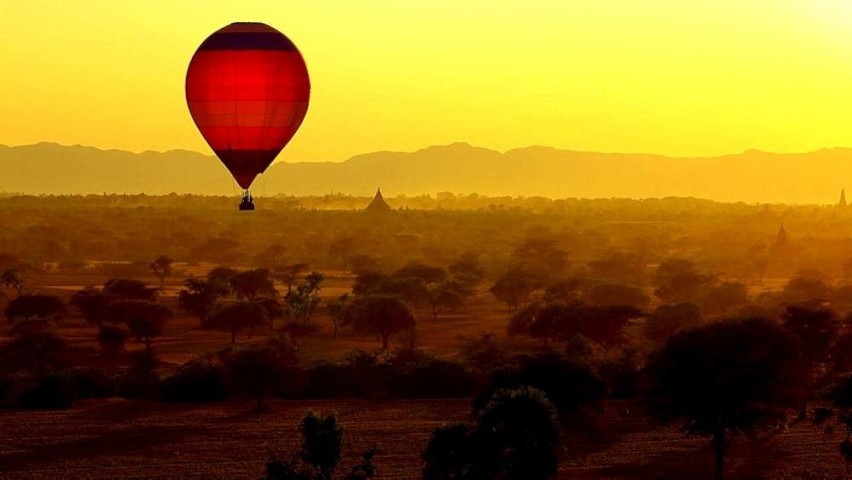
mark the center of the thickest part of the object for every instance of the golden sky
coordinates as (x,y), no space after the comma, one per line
(697,77)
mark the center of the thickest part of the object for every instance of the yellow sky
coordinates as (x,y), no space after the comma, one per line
(675,77)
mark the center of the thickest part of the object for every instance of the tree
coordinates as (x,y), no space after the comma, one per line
(300,304)
(222,278)
(667,320)
(145,320)
(727,378)
(541,258)
(34,307)
(429,274)
(338,311)
(467,269)
(319,455)
(815,328)
(381,314)
(93,304)
(111,339)
(521,426)
(513,288)
(271,256)
(237,316)
(724,298)
(679,281)
(443,297)
(258,370)
(341,249)
(289,274)
(14,279)
(34,352)
(252,284)
(805,288)
(128,288)
(515,436)
(162,268)
(199,295)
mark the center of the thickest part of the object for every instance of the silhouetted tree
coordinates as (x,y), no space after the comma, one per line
(34,307)
(338,311)
(513,288)
(667,320)
(443,297)
(237,316)
(259,370)
(381,314)
(515,436)
(724,298)
(727,378)
(14,279)
(289,274)
(467,269)
(805,288)
(162,268)
(144,319)
(542,258)
(34,352)
(128,288)
(341,249)
(678,281)
(199,296)
(273,255)
(93,304)
(222,278)
(301,302)
(816,329)
(111,339)
(428,274)
(252,284)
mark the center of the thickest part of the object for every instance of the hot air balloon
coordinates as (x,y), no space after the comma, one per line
(247,89)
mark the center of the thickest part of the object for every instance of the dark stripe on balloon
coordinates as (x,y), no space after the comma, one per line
(244,165)
(247,41)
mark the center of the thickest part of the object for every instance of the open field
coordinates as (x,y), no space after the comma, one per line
(120,438)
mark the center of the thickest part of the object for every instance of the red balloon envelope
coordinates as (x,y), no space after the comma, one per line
(247,88)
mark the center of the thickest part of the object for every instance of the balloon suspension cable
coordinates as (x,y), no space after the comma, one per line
(247,203)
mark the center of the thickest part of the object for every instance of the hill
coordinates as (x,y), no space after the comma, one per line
(752,176)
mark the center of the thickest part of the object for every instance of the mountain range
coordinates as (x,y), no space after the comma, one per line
(752,176)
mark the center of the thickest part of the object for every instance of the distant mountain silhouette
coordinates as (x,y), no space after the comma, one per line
(751,176)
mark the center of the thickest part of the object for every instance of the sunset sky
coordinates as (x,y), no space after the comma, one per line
(698,77)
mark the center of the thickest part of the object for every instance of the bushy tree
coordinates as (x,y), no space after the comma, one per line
(258,370)
(253,284)
(728,378)
(236,317)
(381,314)
(301,302)
(338,311)
(144,319)
(34,307)
(161,267)
(199,295)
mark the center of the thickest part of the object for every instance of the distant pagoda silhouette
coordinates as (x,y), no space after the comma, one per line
(842,202)
(781,248)
(378,205)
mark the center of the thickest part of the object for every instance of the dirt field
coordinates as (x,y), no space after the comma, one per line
(132,439)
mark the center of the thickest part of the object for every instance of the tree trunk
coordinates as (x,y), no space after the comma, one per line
(719,451)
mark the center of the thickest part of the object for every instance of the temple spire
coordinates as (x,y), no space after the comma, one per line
(842,202)
(378,205)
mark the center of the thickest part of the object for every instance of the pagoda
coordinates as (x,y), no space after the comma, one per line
(378,205)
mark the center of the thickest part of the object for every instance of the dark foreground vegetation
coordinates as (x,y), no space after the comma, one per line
(542,315)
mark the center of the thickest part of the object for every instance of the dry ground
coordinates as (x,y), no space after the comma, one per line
(121,439)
